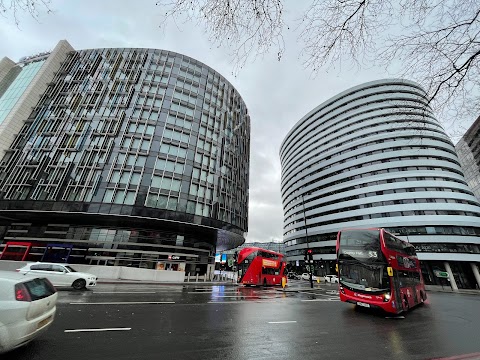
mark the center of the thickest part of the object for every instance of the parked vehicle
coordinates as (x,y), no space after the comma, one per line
(306,276)
(294,276)
(27,308)
(331,279)
(60,275)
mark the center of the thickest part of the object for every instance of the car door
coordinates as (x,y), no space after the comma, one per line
(41,270)
(60,274)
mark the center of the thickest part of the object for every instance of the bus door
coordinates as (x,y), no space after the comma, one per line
(242,269)
(396,284)
(414,288)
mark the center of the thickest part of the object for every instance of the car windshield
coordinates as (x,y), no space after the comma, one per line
(70,269)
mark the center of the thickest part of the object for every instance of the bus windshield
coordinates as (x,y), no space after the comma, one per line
(365,277)
(362,265)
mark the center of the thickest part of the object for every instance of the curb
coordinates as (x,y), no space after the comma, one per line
(133,282)
(474,292)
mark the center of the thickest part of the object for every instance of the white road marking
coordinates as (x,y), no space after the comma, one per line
(95,330)
(226,302)
(332,291)
(282,322)
(242,302)
(124,292)
(311,293)
(394,317)
(123,303)
(208,292)
(330,299)
(236,296)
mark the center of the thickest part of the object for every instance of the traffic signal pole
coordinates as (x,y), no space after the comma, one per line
(308,253)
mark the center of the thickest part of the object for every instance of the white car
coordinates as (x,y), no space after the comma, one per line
(331,279)
(306,276)
(27,308)
(60,275)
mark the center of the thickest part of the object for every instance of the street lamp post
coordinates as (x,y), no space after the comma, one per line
(308,245)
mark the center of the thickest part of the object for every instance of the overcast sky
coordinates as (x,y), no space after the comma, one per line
(277,94)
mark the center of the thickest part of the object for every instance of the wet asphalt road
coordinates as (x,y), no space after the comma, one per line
(229,322)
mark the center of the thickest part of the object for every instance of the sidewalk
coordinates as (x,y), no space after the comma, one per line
(306,287)
(448,289)
(144,282)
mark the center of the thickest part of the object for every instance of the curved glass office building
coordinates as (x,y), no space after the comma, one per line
(375,156)
(131,156)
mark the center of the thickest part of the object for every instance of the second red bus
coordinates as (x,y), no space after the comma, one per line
(257,266)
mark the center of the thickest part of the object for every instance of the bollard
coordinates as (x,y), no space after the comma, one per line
(204,277)
(196,280)
(188,277)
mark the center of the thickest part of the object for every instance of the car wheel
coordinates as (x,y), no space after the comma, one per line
(79,284)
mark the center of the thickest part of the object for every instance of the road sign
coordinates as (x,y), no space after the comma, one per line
(441,274)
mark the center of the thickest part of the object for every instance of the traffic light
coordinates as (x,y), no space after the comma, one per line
(305,256)
(310,255)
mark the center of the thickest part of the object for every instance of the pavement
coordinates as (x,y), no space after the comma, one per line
(292,285)
(448,289)
(195,321)
(130,282)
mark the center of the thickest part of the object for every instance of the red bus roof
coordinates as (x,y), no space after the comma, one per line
(242,254)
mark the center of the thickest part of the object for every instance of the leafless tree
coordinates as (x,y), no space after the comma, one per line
(251,28)
(434,42)
(14,8)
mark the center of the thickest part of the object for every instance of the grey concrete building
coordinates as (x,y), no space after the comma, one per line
(468,150)
(21,86)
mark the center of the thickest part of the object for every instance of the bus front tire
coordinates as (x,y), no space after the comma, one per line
(423,297)
(264,282)
(406,307)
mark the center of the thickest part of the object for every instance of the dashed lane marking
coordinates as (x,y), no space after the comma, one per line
(96,330)
(124,303)
(283,322)
(124,292)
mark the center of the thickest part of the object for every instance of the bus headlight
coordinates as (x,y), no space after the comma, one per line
(386,297)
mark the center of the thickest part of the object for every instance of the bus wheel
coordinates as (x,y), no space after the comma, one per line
(423,297)
(406,307)
(265,282)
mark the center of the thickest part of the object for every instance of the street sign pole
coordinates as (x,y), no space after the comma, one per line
(308,245)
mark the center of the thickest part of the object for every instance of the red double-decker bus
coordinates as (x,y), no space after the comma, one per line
(257,266)
(378,270)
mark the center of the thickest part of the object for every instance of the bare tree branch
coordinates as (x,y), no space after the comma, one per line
(434,42)
(16,7)
(249,28)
